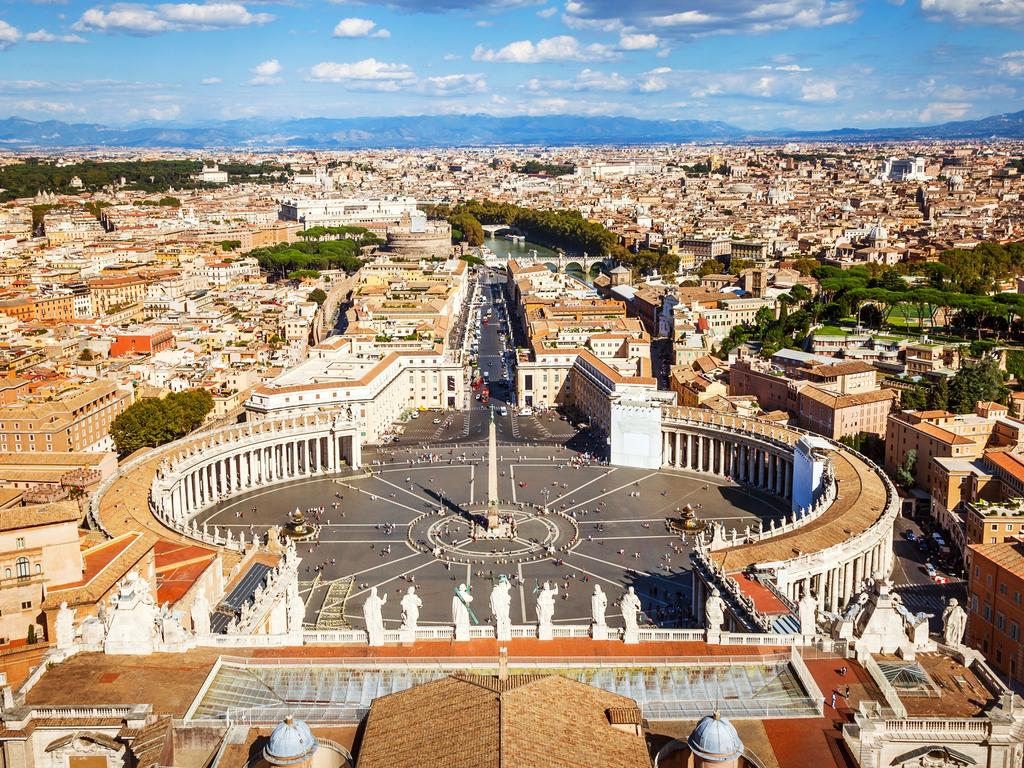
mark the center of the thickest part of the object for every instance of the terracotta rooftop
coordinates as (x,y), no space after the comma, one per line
(468,721)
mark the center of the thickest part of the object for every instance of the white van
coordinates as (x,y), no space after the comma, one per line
(527,411)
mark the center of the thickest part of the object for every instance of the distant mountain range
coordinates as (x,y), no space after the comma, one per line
(459,130)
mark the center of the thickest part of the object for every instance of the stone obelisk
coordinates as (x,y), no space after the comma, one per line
(492,475)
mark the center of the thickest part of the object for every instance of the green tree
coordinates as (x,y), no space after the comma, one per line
(317,295)
(938,396)
(152,421)
(711,267)
(469,227)
(914,399)
(976,382)
(905,472)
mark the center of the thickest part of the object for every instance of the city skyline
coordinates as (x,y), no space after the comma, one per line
(802,64)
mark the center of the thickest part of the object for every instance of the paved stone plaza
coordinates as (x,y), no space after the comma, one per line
(612,521)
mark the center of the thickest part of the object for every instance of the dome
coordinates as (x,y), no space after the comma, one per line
(715,740)
(291,742)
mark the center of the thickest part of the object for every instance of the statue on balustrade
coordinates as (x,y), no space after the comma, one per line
(64,626)
(411,605)
(598,605)
(461,611)
(631,608)
(201,614)
(501,606)
(714,611)
(546,604)
(373,616)
(954,622)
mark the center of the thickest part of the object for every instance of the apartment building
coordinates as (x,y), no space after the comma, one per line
(111,294)
(996,605)
(65,417)
(939,434)
(40,308)
(831,400)
(39,549)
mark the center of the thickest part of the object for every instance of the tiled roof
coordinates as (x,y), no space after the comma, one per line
(42,514)
(527,721)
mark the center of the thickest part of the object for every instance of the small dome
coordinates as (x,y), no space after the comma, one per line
(715,740)
(290,742)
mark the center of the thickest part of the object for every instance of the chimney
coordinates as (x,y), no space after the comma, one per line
(502,664)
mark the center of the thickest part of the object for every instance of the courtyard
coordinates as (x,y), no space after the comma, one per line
(402,523)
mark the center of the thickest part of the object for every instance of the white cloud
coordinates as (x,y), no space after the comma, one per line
(942,111)
(380,74)
(819,90)
(451,57)
(448,85)
(634,41)
(1010,64)
(586,80)
(483,24)
(8,35)
(1000,12)
(707,17)
(42,36)
(547,13)
(169,112)
(560,48)
(792,68)
(138,19)
(266,73)
(355,27)
(47,107)
(211,81)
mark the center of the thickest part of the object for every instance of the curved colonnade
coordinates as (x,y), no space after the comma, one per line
(183,478)
(827,549)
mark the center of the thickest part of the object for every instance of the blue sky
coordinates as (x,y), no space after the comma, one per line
(789,63)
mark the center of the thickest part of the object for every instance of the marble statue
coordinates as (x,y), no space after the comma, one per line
(501,605)
(807,609)
(460,611)
(546,610)
(631,607)
(598,605)
(373,616)
(296,607)
(201,614)
(714,611)
(954,622)
(411,605)
(133,620)
(64,627)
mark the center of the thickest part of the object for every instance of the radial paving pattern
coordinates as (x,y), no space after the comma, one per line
(606,526)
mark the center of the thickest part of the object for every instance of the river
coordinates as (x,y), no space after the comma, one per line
(509,249)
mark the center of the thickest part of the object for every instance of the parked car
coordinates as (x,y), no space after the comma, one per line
(527,411)
(929,568)
(910,536)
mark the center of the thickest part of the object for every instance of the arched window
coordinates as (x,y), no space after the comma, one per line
(7,573)
(23,568)
(39,568)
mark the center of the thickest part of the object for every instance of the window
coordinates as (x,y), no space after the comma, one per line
(22,566)
(1014,631)
(20,542)
(26,605)
(1000,621)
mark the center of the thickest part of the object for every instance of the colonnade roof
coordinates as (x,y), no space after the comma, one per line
(859,503)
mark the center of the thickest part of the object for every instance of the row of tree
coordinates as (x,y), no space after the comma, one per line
(153,421)
(34,175)
(308,259)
